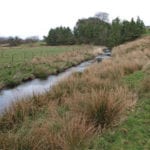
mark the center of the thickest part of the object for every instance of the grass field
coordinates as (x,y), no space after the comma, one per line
(147,32)
(27,62)
(106,107)
(20,54)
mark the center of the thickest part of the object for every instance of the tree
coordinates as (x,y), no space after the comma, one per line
(96,30)
(115,36)
(31,39)
(140,26)
(14,41)
(132,30)
(122,31)
(60,36)
(91,31)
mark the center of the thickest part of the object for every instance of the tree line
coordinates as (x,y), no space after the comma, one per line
(15,41)
(95,30)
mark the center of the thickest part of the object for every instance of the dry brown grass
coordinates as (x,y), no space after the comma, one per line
(102,107)
(77,108)
(140,44)
(75,56)
(146,68)
(53,64)
(67,133)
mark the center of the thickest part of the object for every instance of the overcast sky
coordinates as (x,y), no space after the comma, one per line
(35,17)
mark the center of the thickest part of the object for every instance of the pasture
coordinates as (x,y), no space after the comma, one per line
(20,54)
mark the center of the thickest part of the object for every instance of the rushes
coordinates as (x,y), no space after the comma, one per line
(76,133)
(102,107)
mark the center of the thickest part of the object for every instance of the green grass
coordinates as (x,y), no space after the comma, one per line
(134,132)
(134,79)
(16,63)
(147,32)
(20,54)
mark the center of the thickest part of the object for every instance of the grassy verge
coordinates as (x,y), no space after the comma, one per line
(147,32)
(26,63)
(79,112)
(133,133)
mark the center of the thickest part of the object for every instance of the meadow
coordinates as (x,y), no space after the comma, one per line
(147,31)
(26,62)
(105,107)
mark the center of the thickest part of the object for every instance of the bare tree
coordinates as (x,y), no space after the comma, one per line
(102,16)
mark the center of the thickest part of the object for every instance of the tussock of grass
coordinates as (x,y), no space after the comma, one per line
(104,107)
(78,108)
(41,71)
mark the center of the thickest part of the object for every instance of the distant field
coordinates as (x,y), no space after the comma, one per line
(27,62)
(14,55)
(147,32)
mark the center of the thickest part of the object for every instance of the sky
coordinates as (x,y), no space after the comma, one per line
(25,18)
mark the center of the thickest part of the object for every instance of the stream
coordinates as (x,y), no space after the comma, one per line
(38,86)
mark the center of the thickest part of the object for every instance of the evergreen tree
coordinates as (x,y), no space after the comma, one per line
(94,30)
(60,36)
(140,27)
(115,36)
(91,31)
